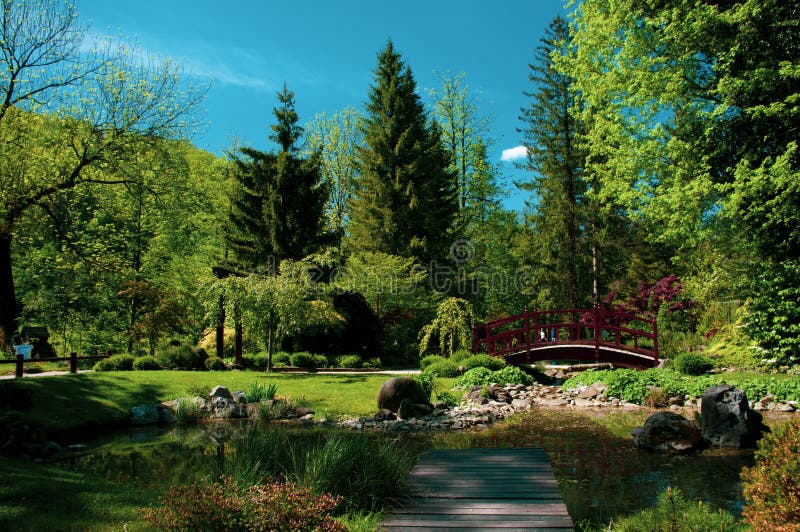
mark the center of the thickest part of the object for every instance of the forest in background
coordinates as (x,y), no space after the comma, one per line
(662,171)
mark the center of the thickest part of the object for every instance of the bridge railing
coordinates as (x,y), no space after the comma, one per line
(533,329)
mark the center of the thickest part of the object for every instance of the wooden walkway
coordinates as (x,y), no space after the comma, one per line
(478,489)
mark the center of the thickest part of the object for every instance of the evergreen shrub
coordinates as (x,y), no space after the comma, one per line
(484,361)
(215,364)
(181,357)
(146,363)
(692,364)
(349,361)
(428,360)
(304,360)
(442,368)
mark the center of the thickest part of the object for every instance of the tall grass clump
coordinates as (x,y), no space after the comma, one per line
(257,392)
(188,411)
(366,469)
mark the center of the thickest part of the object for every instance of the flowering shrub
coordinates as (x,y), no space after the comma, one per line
(772,485)
(227,506)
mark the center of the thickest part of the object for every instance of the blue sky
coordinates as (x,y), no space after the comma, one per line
(326,51)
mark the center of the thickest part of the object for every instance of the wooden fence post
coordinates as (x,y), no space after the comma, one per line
(73,362)
(20,361)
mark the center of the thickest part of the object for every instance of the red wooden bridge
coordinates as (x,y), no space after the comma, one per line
(598,335)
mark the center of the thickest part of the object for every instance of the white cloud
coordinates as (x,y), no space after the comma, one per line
(513,154)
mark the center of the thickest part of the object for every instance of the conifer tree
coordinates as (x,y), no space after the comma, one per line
(559,220)
(405,200)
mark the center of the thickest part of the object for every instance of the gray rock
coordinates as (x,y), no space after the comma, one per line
(221,392)
(303,411)
(590,392)
(166,416)
(239,397)
(668,432)
(407,410)
(382,415)
(144,415)
(727,419)
(554,402)
(397,389)
(423,409)
(521,404)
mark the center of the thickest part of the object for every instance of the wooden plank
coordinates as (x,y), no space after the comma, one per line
(509,489)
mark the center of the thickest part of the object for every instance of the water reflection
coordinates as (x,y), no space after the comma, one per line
(600,472)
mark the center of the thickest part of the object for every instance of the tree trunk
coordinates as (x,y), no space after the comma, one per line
(9,313)
(237,325)
(221,327)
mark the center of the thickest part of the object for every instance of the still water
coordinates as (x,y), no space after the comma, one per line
(600,472)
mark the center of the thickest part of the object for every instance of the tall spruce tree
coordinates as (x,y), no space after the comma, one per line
(559,221)
(405,199)
(278,204)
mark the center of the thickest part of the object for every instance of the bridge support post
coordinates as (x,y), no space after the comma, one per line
(597,333)
(527,332)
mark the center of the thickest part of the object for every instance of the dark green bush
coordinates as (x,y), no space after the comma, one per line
(146,363)
(512,375)
(121,362)
(280,359)
(692,364)
(461,355)
(374,363)
(448,398)
(426,382)
(484,361)
(321,361)
(349,361)
(442,368)
(215,364)
(430,359)
(181,357)
(303,360)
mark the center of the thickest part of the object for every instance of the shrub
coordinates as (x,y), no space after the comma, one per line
(146,363)
(215,364)
(673,513)
(320,361)
(442,368)
(374,363)
(692,364)
(121,362)
(512,375)
(303,360)
(475,377)
(349,361)
(426,381)
(448,398)
(461,355)
(272,409)
(104,365)
(772,485)
(261,391)
(280,359)
(428,360)
(227,506)
(181,357)
(484,361)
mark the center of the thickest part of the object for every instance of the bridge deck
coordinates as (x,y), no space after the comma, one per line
(476,489)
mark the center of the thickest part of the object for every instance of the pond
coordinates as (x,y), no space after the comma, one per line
(600,472)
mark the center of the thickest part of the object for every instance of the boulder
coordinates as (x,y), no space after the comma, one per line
(727,419)
(144,415)
(384,414)
(222,392)
(669,432)
(409,410)
(394,391)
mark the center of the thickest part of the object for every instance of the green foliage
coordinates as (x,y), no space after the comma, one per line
(461,355)
(692,364)
(448,398)
(349,361)
(430,359)
(512,375)
(225,505)
(674,513)
(304,360)
(104,365)
(259,391)
(146,363)
(442,368)
(367,470)
(453,326)
(772,485)
(373,363)
(181,357)
(269,410)
(281,359)
(427,382)
(321,361)
(484,361)
(475,377)
(215,364)
(121,362)
(773,314)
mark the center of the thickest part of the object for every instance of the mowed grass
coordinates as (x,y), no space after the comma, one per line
(67,402)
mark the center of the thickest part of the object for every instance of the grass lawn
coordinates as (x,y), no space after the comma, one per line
(90,399)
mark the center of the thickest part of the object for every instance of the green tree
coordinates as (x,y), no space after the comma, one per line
(99,108)
(559,222)
(337,138)
(405,199)
(452,324)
